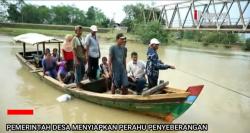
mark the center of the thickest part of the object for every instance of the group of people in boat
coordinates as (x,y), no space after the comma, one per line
(77,52)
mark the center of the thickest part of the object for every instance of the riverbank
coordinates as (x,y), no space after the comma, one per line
(217,73)
(60,33)
(110,36)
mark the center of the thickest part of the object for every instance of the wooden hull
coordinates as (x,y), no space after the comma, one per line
(167,106)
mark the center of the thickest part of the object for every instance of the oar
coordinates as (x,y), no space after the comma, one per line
(155,89)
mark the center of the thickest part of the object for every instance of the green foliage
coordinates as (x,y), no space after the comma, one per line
(137,15)
(3,5)
(211,37)
(246,46)
(59,15)
(34,14)
(48,27)
(135,12)
(220,37)
(128,23)
(151,30)
(96,16)
(14,14)
(193,35)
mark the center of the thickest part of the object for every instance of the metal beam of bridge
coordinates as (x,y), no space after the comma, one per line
(210,15)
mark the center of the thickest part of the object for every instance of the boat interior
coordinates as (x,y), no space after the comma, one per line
(97,86)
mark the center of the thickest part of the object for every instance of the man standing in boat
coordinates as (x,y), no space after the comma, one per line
(154,64)
(79,55)
(93,52)
(117,65)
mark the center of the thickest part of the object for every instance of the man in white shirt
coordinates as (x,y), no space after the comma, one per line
(93,52)
(136,72)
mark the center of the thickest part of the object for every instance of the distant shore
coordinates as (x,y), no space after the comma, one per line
(109,35)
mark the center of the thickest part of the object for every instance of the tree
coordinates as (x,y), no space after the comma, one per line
(44,14)
(30,14)
(90,16)
(61,14)
(13,10)
(96,17)
(21,12)
(13,14)
(3,5)
(138,14)
(246,46)
(77,16)
(129,23)
(151,30)
(134,15)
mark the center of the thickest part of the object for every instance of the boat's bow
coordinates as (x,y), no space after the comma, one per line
(181,108)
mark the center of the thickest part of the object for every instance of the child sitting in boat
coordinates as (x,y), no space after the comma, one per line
(64,74)
(55,54)
(105,72)
(47,50)
(49,65)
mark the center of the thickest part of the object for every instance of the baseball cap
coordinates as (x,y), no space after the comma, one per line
(154,41)
(93,28)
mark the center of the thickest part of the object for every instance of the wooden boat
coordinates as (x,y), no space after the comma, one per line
(168,103)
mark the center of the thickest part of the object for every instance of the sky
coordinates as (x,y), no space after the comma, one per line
(114,8)
(111,8)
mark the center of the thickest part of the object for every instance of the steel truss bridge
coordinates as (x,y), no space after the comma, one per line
(204,15)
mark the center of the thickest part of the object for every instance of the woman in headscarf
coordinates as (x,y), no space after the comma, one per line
(67,51)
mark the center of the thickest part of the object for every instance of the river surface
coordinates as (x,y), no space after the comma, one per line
(224,103)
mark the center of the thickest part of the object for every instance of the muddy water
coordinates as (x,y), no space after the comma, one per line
(224,103)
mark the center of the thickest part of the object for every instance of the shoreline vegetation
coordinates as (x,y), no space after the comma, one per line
(14,29)
(108,34)
(20,17)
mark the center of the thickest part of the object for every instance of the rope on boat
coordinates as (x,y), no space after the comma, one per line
(212,82)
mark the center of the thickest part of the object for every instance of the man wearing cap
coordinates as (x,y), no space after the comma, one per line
(154,64)
(117,65)
(93,52)
(79,55)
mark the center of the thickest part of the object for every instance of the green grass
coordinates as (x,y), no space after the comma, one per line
(200,45)
(49,27)
(60,33)
(18,31)
(110,36)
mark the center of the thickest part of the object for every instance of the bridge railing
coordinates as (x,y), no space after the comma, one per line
(215,15)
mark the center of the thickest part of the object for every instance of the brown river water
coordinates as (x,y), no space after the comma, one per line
(224,104)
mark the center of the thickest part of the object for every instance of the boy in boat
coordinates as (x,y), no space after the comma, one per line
(93,53)
(117,65)
(136,73)
(79,55)
(55,54)
(47,50)
(64,74)
(49,65)
(105,72)
(154,64)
